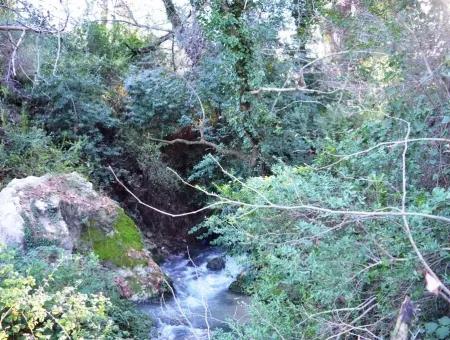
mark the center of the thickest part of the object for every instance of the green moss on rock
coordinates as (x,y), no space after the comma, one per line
(116,245)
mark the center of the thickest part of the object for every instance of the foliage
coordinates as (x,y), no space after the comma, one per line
(53,300)
(30,151)
(89,277)
(157,99)
(439,329)
(84,100)
(308,262)
(281,92)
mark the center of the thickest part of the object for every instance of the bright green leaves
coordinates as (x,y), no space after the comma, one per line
(32,152)
(48,289)
(31,310)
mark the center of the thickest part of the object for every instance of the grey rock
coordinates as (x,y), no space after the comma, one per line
(216,263)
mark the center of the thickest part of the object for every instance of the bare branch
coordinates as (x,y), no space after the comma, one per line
(58,54)
(407,228)
(156,43)
(307,65)
(135,24)
(208,207)
(305,207)
(290,89)
(9,28)
(12,59)
(380,145)
(203,142)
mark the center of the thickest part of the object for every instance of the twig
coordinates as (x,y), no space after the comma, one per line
(180,309)
(407,228)
(208,207)
(377,146)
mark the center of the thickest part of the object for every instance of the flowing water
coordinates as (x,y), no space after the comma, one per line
(202,300)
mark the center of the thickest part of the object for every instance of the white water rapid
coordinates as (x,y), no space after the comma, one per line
(202,300)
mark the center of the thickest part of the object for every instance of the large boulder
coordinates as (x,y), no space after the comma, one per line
(65,210)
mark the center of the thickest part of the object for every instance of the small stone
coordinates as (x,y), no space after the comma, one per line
(239,285)
(216,263)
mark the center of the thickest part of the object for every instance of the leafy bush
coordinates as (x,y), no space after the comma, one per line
(29,310)
(311,261)
(25,152)
(48,292)
(439,329)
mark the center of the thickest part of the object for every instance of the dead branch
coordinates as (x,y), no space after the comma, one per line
(405,317)
(290,89)
(303,88)
(21,28)
(12,60)
(134,24)
(204,142)
(380,145)
(153,47)
(194,212)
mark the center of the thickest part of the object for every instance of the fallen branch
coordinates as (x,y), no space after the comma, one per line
(203,142)
(405,316)
(193,212)
(304,67)
(135,24)
(290,89)
(305,207)
(380,145)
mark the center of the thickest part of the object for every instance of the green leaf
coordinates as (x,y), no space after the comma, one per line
(445,120)
(430,327)
(442,332)
(445,321)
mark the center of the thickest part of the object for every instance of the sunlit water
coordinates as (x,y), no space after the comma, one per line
(202,301)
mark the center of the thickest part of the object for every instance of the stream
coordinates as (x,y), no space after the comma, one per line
(202,300)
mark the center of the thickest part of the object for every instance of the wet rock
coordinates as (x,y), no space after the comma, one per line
(216,263)
(239,286)
(142,283)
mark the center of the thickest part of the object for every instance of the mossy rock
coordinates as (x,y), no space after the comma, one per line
(115,246)
(242,283)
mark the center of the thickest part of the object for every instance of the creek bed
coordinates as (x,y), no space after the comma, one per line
(202,299)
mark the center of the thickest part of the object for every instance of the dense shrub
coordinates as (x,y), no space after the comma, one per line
(310,261)
(49,293)
(30,151)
